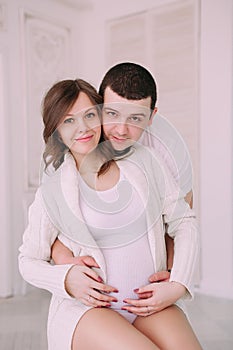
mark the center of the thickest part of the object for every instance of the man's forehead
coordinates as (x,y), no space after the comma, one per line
(129,107)
(111,97)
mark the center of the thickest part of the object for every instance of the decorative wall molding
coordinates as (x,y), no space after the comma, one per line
(46,59)
(81,5)
(6,242)
(2,17)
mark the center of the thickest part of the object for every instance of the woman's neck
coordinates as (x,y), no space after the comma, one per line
(89,166)
(89,163)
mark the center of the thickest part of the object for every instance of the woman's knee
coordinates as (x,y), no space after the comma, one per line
(169,329)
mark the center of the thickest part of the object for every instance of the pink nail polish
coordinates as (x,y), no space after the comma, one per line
(136,290)
(100,279)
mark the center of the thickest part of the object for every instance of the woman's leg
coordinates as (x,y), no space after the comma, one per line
(105,329)
(169,329)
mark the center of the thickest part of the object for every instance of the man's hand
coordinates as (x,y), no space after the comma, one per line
(81,261)
(160,276)
(63,255)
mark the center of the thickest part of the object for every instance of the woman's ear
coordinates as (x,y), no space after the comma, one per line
(152,115)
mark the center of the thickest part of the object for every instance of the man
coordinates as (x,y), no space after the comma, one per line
(128,84)
(123,85)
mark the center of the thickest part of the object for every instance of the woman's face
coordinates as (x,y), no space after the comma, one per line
(81,127)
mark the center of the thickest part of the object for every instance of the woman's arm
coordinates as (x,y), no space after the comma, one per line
(35,252)
(66,281)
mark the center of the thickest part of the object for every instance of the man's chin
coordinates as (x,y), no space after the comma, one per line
(117,146)
(122,148)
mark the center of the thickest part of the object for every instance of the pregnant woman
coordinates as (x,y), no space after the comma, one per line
(114,212)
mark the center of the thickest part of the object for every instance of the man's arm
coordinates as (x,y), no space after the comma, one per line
(62,255)
(189,198)
(158,276)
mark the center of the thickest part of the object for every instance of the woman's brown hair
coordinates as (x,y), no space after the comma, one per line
(57,102)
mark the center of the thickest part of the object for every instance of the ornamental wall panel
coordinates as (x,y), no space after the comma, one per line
(126,38)
(46,60)
(3,17)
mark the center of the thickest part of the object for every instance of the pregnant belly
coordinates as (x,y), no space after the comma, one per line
(128,268)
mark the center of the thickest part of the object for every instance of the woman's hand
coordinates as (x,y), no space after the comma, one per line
(163,294)
(85,285)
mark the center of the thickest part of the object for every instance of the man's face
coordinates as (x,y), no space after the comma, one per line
(125,120)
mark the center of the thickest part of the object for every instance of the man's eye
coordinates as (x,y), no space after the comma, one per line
(90,115)
(111,114)
(135,118)
(69,121)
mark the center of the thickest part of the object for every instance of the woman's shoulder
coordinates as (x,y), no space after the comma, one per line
(52,176)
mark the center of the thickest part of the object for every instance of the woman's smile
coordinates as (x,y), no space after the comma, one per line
(84,138)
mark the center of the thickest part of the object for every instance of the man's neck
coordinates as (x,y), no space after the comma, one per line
(123,153)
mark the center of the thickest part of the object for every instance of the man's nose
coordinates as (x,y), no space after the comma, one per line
(122,128)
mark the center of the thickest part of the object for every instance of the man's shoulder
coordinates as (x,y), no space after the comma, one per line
(167,143)
(146,156)
(161,132)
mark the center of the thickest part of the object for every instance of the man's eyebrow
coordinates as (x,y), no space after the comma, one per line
(131,114)
(138,114)
(112,109)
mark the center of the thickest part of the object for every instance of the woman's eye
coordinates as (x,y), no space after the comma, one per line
(68,120)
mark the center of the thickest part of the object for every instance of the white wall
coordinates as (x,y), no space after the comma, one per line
(216,127)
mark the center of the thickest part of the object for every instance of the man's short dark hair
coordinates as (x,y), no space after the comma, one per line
(130,81)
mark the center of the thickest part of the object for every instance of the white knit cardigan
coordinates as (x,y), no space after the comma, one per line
(56,209)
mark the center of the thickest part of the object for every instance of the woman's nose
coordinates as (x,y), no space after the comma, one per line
(82,125)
